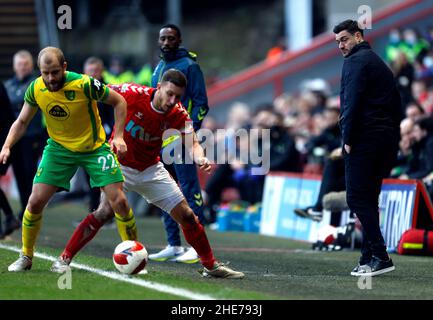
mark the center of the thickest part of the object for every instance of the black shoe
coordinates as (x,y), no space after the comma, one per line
(301,212)
(11,224)
(309,213)
(362,263)
(356,270)
(375,267)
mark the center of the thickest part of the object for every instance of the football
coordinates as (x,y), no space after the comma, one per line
(130,257)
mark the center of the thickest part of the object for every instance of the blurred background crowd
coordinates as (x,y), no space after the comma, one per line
(303,123)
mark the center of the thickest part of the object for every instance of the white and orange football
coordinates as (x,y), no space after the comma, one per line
(130,257)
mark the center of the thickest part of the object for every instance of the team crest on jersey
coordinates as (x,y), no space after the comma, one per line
(70,95)
(58,111)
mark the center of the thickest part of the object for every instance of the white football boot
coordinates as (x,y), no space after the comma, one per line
(190,256)
(168,253)
(61,265)
(23,263)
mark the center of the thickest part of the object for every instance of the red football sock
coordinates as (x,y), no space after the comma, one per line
(85,232)
(195,235)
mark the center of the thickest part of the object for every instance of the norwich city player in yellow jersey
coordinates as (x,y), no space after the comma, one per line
(77,139)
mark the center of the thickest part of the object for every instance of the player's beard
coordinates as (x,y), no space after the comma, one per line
(56,86)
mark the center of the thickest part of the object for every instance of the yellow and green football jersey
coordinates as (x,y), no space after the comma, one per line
(71,113)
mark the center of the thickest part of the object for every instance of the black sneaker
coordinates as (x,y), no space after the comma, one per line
(301,212)
(309,213)
(375,267)
(356,270)
(11,224)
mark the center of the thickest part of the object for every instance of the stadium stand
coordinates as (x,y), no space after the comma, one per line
(264,82)
(18,30)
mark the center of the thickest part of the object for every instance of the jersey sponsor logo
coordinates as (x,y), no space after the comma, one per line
(137,132)
(58,111)
(70,95)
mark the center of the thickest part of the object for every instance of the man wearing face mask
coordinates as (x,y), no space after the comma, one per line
(195,101)
(394,45)
(425,72)
(370,116)
(414,47)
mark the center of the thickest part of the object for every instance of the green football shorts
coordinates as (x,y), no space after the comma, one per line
(58,166)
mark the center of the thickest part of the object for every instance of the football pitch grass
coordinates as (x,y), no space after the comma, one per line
(275,269)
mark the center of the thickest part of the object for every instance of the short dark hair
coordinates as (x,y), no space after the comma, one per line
(172,26)
(174,76)
(350,26)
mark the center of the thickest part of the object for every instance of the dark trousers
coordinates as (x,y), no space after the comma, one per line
(6,208)
(366,166)
(24,160)
(186,176)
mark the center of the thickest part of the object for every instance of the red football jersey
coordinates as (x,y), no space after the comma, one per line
(144,125)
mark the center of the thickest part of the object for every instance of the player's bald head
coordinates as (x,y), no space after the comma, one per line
(51,55)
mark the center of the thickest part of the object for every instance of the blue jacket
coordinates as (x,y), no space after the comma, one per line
(195,98)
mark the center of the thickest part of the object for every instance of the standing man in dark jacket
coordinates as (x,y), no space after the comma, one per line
(29,149)
(195,101)
(370,115)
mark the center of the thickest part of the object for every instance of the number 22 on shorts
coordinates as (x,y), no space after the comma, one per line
(107,159)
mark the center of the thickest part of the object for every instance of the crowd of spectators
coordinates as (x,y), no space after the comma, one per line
(304,128)
(309,118)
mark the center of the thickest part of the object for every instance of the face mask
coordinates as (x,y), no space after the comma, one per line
(411,40)
(428,62)
(394,38)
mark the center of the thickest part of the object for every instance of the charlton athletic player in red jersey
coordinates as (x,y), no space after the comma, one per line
(150,112)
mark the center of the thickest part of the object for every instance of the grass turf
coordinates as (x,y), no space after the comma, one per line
(275,268)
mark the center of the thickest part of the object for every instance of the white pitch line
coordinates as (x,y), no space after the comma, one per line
(124,278)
